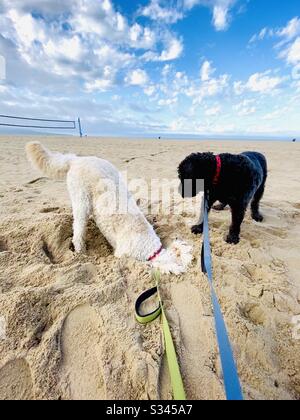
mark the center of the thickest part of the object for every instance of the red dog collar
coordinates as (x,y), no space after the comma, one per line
(218,170)
(156,254)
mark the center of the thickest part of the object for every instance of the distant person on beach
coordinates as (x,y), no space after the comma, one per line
(294,140)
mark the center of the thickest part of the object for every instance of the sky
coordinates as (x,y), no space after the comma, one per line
(154,67)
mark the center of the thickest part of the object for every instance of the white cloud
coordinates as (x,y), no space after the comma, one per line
(69,48)
(26,28)
(220,17)
(50,8)
(207,89)
(214,86)
(245,108)
(100,85)
(166,14)
(137,78)
(238,88)
(204,87)
(288,32)
(221,12)
(260,83)
(274,115)
(142,37)
(189,4)
(213,111)
(206,71)
(161,10)
(263,83)
(173,50)
(166,70)
(150,90)
(167,102)
(291,30)
(292,53)
(102,20)
(263,34)
(186,125)
(109,55)
(289,44)
(80,38)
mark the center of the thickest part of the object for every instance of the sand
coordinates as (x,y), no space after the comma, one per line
(70,328)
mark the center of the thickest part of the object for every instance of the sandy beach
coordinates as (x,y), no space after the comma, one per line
(70,326)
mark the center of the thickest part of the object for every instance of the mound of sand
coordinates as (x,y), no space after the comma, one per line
(70,327)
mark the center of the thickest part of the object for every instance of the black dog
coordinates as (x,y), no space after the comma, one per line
(234,180)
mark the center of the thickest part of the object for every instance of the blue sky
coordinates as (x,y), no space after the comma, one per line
(154,67)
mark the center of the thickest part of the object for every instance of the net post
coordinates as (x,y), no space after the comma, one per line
(80,128)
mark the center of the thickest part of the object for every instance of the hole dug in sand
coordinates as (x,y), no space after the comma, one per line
(53,239)
(96,243)
(254,313)
(15,381)
(56,240)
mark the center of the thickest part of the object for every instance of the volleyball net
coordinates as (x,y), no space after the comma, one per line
(40,123)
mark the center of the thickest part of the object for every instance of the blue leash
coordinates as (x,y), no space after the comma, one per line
(231,378)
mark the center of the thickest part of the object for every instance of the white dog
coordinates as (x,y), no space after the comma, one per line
(97,189)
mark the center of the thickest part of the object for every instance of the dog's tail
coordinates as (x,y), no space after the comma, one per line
(53,165)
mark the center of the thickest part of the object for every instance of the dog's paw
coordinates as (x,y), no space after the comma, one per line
(197,229)
(258,217)
(233,239)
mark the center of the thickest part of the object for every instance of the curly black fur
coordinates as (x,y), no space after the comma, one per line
(242,180)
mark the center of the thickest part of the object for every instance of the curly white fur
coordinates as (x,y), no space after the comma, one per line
(97,189)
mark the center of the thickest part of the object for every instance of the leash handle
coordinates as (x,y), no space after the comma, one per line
(174,370)
(146,319)
(232,384)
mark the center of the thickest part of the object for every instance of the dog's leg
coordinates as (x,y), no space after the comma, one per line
(256,215)
(238,214)
(81,213)
(79,231)
(120,251)
(198,229)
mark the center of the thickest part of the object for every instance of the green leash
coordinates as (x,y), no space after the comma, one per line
(174,370)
